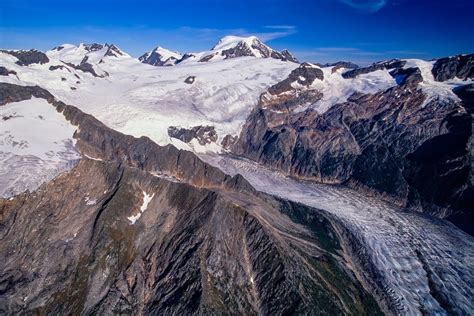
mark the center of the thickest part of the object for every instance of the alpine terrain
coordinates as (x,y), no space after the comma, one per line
(236,180)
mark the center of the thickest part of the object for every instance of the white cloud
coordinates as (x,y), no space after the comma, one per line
(277,31)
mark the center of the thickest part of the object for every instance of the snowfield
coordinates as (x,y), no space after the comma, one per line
(144,100)
(36,144)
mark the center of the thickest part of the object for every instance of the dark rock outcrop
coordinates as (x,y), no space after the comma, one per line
(14,93)
(304,75)
(28,57)
(391,64)
(5,72)
(204,243)
(287,56)
(113,51)
(410,76)
(84,66)
(190,79)
(56,67)
(203,134)
(228,141)
(461,66)
(154,58)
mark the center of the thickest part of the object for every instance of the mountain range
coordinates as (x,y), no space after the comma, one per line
(234,181)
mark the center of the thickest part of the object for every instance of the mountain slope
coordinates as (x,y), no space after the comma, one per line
(409,142)
(160,231)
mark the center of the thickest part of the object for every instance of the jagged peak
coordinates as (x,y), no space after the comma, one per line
(160,56)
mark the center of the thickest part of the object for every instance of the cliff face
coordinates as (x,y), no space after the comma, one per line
(395,142)
(143,229)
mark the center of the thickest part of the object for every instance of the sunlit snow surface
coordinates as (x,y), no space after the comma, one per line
(144,100)
(392,235)
(35,145)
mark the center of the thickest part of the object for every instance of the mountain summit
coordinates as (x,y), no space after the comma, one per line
(161,57)
(226,48)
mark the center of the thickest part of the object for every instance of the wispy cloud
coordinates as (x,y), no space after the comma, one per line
(267,33)
(276,31)
(369,6)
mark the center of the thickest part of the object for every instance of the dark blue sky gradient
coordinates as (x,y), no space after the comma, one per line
(321,31)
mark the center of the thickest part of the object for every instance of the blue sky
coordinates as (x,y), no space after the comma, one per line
(320,30)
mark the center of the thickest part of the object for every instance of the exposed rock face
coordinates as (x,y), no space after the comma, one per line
(185,57)
(386,142)
(28,57)
(158,231)
(304,75)
(190,79)
(14,93)
(203,134)
(441,169)
(56,67)
(5,72)
(85,67)
(377,66)
(113,51)
(228,141)
(254,47)
(287,56)
(461,66)
(410,76)
(93,47)
(161,57)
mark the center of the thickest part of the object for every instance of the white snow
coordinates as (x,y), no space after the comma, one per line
(92,158)
(146,200)
(231,41)
(36,144)
(225,43)
(166,54)
(432,88)
(144,100)
(34,127)
(90,201)
(336,89)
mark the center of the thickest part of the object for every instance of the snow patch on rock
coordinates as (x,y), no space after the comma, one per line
(146,200)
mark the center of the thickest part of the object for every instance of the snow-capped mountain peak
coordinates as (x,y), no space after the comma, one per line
(232,46)
(227,47)
(231,41)
(94,52)
(160,56)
